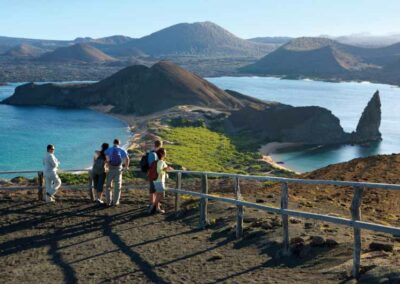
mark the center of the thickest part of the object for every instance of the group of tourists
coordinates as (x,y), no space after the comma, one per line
(108,165)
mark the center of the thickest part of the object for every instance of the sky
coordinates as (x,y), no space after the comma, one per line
(68,19)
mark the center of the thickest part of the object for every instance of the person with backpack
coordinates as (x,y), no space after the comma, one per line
(159,183)
(146,163)
(52,180)
(99,172)
(117,160)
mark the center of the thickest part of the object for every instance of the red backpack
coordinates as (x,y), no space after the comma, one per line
(152,174)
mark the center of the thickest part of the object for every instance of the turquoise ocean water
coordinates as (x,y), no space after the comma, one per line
(346,100)
(26,131)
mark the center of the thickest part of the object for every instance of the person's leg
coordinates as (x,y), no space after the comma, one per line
(100,187)
(160,187)
(117,187)
(151,192)
(57,183)
(48,185)
(109,179)
(95,178)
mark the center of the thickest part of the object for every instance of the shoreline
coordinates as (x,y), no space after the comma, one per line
(267,149)
(139,130)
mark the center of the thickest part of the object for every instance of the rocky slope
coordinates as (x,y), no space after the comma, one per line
(328,59)
(76,53)
(307,56)
(24,51)
(136,89)
(196,39)
(307,125)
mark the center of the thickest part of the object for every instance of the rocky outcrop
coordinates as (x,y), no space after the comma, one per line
(369,123)
(134,90)
(307,125)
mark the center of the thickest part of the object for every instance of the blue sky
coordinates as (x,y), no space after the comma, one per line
(56,19)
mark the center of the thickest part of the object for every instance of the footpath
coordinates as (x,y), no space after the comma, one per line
(75,241)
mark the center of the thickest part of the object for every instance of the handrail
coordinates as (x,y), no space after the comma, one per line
(296,180)
(253,177)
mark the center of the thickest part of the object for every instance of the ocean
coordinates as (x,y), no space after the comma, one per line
(346,100)
(76,134)
(25,131)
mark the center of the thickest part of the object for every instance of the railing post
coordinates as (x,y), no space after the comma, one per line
(356,216)
(203,202)
(177,196)
(41,193)
(239,208)
(285,217)
(90,185)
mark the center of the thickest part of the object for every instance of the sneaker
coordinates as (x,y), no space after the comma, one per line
(99,201)
(161,211)
(50,198)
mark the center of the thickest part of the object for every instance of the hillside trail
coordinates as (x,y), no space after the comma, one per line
(75,241)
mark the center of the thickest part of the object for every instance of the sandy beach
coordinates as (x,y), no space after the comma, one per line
(268,149)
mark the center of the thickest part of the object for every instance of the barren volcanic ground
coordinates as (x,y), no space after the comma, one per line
(76,241)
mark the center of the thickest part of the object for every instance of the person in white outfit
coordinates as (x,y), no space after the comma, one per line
(52,180)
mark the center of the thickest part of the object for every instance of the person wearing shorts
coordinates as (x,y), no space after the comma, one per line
(152,157)
(159,183)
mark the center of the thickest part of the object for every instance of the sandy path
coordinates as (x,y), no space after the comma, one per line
(75,241)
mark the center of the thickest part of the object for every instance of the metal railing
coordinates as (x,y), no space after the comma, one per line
(355,221)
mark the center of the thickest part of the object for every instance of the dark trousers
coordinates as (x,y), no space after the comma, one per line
(98,181)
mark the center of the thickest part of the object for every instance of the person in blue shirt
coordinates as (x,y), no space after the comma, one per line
(117,161)
(150,159)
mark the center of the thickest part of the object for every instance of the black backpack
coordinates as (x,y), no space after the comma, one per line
(144,163)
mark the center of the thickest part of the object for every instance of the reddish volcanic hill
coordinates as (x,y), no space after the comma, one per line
(24,51)
(77,53)
(136,89)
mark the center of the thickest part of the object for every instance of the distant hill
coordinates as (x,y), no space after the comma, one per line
(197,39)
(278,40)
(328,59)
(24,51)
(135,89)
(307,56)
(76,53)
(14,41)
(366,40)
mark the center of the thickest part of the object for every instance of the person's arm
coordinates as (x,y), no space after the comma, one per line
(127,160)
(96,155)
(53,161)
(107,154)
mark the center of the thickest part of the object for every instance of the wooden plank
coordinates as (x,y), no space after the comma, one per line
(204,202)
(285,217)
(177,196)
(294,180)
(239,209)
(307,215)
(41,193)
(356,216)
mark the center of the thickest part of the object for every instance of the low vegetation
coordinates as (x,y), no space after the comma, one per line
(198,148)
